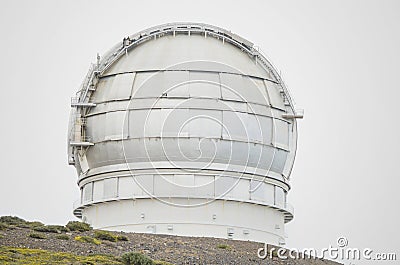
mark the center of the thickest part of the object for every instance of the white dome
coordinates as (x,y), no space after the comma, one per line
(181,119)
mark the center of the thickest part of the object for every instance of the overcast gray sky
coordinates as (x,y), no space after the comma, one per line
(340,59)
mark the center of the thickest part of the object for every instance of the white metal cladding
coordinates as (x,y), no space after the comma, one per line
(183,112)
(267,223)
(185,186)
(169,52)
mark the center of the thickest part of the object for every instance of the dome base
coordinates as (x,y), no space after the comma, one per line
(220,219)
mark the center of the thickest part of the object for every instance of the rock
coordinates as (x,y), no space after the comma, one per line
(174,249)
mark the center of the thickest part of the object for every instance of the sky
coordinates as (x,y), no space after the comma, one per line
(340,60)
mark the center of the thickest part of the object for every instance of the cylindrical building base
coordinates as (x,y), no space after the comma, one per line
(220,218)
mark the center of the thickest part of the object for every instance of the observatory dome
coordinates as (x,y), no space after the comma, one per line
(184,129)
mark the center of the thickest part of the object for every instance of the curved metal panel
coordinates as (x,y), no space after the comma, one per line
(182,113)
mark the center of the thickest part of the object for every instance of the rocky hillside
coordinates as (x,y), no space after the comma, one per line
(23,242)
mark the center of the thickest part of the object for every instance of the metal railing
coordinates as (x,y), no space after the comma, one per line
(87,80)
(86,139)
(121,48)
(74,100)
(81,121)
(274,70)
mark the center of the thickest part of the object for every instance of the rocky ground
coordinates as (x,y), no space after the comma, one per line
(173,249)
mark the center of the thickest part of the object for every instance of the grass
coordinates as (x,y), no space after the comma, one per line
(63,237)
(87,239)
(31,225)
(51,229)
(20,256)
(46,229)
(78,226)
(136,258)
(3,226)
(37,235)
(59,228)
(11,220)
(106,235)
(122,238)
(224,246)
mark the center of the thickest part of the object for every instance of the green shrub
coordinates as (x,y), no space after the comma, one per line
(45,229)
(12,220)
(51,229)
(30,225)
(224,246)
(122,238)
(136,258)
(62,237)
(87,239)
(104,235)
(9,255)
(78,226)
(37,236)
(34,224)
(3,226)
(59,228)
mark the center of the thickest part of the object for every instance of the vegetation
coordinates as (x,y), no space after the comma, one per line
(19,256)
(224,246)
(3,226)
(78,226)
(34,224)
(51,229)
(60,228)
(106,235)
(37,235)
(122,238)
(12,220)
(45,229)
(87,239)
(136,258)
(22,256)
(30,225)
(62,237)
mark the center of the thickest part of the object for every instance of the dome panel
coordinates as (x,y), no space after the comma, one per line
(184,52)
(184,116)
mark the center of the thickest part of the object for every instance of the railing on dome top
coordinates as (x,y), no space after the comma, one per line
(121,48)
(278,77)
